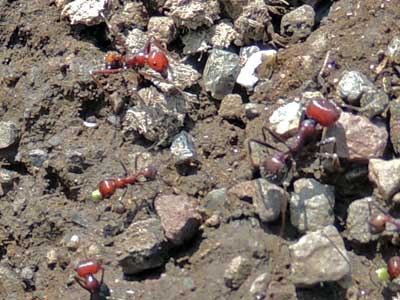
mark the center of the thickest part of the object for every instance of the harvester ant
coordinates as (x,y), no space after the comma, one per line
(86,270)
(107,187)
(322,112)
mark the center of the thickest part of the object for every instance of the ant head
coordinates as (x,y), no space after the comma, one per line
(158,61)
(91,283)
(378,223)
(113,60)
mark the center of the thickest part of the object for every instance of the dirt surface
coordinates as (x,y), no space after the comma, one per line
(47,92)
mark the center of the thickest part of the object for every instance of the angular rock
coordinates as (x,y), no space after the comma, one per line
(184,149)
(259,65)
(7,179)
(141,247)
(385,175)
(267,198)
(357,223)
(231,107)
(196,42)
(133,15)
(285,120)
(220,73)
(38,157)
(237,272)
(162,28)
(298,24)
(373,102)
(352,85)
(357,138)
(253,110)
(214,201)
(136,40)
(8,134)
(258,288)
(193,14)
(87,12)
(317,257)
(179,217)
(311,205)
(222,34)
(393,50)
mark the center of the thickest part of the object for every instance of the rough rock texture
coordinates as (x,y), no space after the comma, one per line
(385,175)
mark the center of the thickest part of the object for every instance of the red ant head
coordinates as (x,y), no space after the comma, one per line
(113,61)
(158,61)
(91,283)
(323,111)
(107,187)
(275,164)
(377,223)
(394,267)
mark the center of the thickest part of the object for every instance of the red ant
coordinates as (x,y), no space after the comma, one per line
(322,112)
(108,187)
(115,63)
(86,270)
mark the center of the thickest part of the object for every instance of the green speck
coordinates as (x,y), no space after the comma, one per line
(382,274)
(96,195)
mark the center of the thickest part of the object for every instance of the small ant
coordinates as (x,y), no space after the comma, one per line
(86,270)
(107,187)
(115,63)
(322,112)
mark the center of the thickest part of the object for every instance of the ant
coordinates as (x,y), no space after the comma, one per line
(107,187)
(377,223)
(86,270)
(322,112)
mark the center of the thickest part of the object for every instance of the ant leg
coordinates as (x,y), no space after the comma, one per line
(265,129)
(102,276)
(81,282)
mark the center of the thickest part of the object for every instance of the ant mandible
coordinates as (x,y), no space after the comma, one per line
(107,187)
(322,112)
(86,270)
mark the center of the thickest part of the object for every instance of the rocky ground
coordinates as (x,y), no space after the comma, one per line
(209,225)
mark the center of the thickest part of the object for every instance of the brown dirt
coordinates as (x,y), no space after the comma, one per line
(47,92)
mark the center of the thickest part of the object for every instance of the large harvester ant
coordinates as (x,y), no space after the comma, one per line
(319,112)
(86,279)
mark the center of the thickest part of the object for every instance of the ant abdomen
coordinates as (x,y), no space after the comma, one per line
(323,112)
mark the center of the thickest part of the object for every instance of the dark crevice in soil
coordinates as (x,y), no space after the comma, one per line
(56,182)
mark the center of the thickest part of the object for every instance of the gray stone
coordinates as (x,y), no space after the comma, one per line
(220,73)
(193,14)
(237,272)
(38,157)
(317,257)
(11,287)
(298,24)
(246,52)
(267,198)
(394,124)
(162,28)
(87,12)
(184,149)
(133,15)
(352,85)
(357,223)
(357,138)
(8,134)
(311,205)
(7,179)
(285,120)
(179,217)
(258,288)
(141,247)
(214,201)
(393,50)
(27,275)
(222,34)
(231,107)
(196,42)
(136,40)
(373,102)
(385,175)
